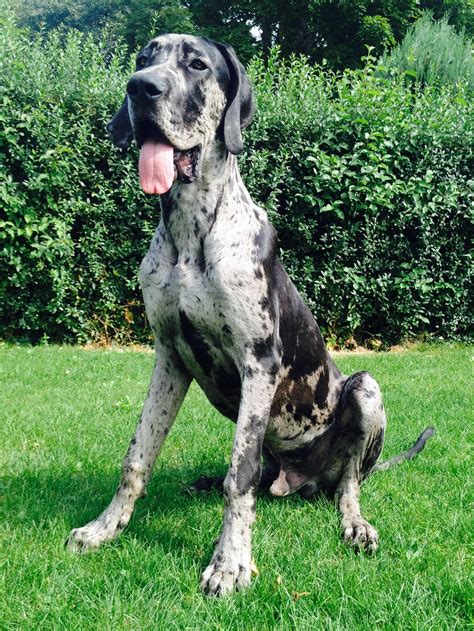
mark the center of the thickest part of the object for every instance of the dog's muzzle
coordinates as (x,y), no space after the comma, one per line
(144,88)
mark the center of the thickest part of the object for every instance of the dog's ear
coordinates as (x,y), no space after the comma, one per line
(120,128)
(240,102)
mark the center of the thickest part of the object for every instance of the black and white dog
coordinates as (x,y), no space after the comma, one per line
(224,311)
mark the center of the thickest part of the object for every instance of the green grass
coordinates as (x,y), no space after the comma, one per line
(67,415)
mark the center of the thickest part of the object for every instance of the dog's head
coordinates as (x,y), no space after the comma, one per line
(186,93)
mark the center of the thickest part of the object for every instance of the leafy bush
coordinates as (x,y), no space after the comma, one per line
(369,184)
(370,187)
(432,52)
(74,225)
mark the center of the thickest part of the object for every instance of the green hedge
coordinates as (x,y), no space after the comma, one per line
(368,182)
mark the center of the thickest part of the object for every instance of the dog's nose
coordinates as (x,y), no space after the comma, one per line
(145,87)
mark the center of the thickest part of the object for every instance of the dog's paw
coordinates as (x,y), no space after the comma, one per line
(226,573)
(207,485)
(88,538)
(362,536)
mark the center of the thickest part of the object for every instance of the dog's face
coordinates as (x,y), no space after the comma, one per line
(186,93)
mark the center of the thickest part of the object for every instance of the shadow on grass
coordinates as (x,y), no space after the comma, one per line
(41,500)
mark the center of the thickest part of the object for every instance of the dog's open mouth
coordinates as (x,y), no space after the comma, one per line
(160,164)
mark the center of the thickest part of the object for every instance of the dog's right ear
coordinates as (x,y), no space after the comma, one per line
(120,128)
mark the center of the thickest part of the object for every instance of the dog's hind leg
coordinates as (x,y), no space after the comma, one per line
(359,444)
(168,387)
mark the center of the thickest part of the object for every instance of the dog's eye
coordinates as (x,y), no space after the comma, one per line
(198,64)
(142,61)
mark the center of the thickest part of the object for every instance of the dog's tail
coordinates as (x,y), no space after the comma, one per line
(406,455)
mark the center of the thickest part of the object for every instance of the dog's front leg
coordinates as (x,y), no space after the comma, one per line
(168,387)
(230,567)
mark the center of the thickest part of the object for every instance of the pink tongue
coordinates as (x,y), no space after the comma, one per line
(156,167)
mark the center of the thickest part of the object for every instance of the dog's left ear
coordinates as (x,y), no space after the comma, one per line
(240,102)
(120,128)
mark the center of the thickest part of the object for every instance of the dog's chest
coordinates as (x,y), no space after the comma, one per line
(174,283)
(184,304)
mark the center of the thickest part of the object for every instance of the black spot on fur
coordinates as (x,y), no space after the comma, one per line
(249,467)
(193,103)
(322,389)
(267,355)
(197,343)
(202,258)
(266,246)
(227,381)
(265,303)
(302,411)
(374,449)
(263,347)
(249,372)
(166,207)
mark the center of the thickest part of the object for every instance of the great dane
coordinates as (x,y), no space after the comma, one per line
(224,311)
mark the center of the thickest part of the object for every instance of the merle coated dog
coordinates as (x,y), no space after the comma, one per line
(224,311)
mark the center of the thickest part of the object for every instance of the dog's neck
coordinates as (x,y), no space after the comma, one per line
(190,209)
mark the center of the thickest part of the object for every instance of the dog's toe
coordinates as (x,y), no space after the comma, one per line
(87,539)
(220,583)
(79,542)
(362,536)
(222,578)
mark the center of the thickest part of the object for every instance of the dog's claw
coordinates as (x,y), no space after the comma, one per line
(88,538)
(226,573)
(79,542)
(362,536)
(220,581)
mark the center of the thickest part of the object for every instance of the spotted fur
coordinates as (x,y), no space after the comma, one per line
(224,312)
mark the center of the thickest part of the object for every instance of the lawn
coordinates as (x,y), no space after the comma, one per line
(67,415)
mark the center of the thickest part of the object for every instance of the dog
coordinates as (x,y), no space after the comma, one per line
(224,312)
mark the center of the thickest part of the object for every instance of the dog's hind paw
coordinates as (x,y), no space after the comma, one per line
(362,536)
(82,540)
(207,485)
(90,537)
